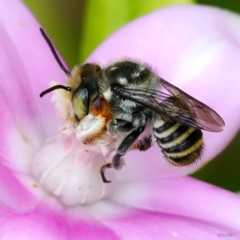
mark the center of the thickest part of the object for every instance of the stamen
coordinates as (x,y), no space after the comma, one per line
(54,88)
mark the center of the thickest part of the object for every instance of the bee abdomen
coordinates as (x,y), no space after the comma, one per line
(180,144)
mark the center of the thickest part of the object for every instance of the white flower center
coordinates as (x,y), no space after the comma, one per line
(66,168)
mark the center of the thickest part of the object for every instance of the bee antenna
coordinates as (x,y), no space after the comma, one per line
(54,88)
(54,52)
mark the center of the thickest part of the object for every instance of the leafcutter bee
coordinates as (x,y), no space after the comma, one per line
(128,95)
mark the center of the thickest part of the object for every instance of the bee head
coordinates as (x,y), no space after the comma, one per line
(83,83)
(87,89)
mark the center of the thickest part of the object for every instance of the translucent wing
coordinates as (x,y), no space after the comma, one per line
(174,105)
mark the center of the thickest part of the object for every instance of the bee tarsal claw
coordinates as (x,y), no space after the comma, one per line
(102,171)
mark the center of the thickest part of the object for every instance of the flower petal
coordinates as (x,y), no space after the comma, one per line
(50,224)
(14,194)
(27,71)
(136,223)
(183,196)
(25,118)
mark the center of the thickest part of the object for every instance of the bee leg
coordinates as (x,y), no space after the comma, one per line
(117,162)
(127,142)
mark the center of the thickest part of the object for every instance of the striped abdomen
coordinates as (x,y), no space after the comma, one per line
(180,144)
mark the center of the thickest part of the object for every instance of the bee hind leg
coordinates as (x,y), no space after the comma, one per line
(117,161)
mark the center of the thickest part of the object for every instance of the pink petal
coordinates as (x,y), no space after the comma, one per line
(152,225)
(27,70)
(46,223)
(14,194)
(138,223)
(26,119)
(182,196)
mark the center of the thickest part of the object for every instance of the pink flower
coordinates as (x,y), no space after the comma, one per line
(51,190)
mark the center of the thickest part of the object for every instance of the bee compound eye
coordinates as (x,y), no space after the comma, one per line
(80,102)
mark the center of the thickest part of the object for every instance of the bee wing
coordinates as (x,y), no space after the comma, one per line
(176,105)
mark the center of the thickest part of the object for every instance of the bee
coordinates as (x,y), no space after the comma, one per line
(128,95)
